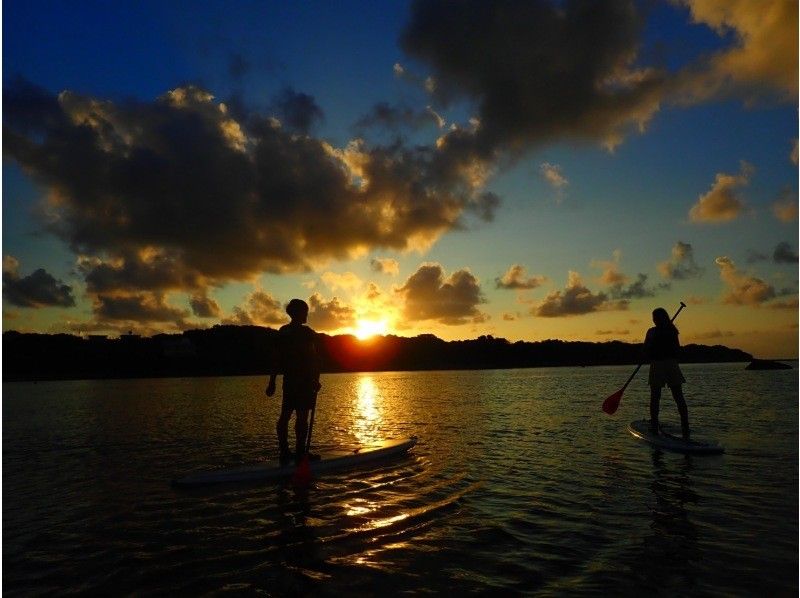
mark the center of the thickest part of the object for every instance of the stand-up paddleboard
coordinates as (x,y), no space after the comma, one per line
(669,442)
(329,461)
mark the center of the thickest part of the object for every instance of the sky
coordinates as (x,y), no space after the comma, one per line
(527,170)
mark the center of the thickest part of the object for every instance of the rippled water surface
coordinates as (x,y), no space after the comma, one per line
(519,484)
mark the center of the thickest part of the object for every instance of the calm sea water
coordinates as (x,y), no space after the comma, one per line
(519,484)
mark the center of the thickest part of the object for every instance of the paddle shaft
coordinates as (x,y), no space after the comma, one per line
(638,367)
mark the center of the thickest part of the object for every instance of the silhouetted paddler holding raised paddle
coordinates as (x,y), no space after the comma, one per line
(296,357)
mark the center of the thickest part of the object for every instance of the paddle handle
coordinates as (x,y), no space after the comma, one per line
(638,367)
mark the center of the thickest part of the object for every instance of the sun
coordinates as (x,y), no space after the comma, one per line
(366,329)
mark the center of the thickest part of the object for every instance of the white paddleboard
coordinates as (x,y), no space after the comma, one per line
(329,460)
(669,442)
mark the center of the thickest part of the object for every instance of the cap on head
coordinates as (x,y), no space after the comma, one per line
(297,308)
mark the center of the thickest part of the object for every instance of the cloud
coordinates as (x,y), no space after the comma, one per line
(36,290)
(385,266)
(638,289)
(785,208)
(721,203)
(537,71)
(712,335)
(346,281)
(394,118)
(681,265)
(516,278)
(754,256)
(430,295)
(742,288)
(613,332)
(760,59)
(204,306)
(575,300)
(177,194)
(139,307)
(783,254)
(329,315)
(793,154)
(260,308)
(298,111)
(552,174)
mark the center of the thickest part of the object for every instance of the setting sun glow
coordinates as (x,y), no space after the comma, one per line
(368,328)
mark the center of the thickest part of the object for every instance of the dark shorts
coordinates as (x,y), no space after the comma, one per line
(298,396)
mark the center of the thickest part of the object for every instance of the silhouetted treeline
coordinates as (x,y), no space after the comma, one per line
(245,350)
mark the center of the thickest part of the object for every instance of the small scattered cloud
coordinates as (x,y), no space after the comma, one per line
(681,265)
(509,317)
(552,174)
(722,203)
(385,265)
(785,208)
(576,299)
(429,294)
(742,289)
(793,154)
(297,111)
(616,332)
(712,335)
(36,290)
(784,254)
(516,278)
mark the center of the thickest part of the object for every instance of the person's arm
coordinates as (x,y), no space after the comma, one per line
(273,371)
(317,362)
(648,345)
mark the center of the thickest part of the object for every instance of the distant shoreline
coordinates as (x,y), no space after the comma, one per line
(245,350)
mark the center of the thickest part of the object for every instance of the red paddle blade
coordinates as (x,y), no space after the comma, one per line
(302,475)
(611,403)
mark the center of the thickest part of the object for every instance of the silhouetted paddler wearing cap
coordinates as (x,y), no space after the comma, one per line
(296,357)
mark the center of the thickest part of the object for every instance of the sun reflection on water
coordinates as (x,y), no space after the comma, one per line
(367,410)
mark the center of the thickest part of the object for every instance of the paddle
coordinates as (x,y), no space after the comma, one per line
(302,474)
(611,404)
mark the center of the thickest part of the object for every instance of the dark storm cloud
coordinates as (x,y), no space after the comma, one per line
(298,111)
(452,300)
(783,254)
(537,71)
(176,193)
(38,289)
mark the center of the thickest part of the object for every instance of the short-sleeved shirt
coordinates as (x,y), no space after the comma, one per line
(298,361)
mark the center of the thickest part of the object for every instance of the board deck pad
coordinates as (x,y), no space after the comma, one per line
(670,442)
(329,460)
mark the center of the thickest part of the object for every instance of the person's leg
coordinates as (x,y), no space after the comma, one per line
(300,432)
(677,394)
(282,430)
(655,399)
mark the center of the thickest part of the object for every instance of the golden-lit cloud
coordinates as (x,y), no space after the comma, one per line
(204,306)
(681,264)
(576,299)
(785,208)
(742,289)
(722,203)
(516,278)
(429,294)
(329,315)
(385,265)
(260,308)
(347,281)
(762,56)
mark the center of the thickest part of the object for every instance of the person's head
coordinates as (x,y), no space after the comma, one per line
(661,318)
(297,310)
